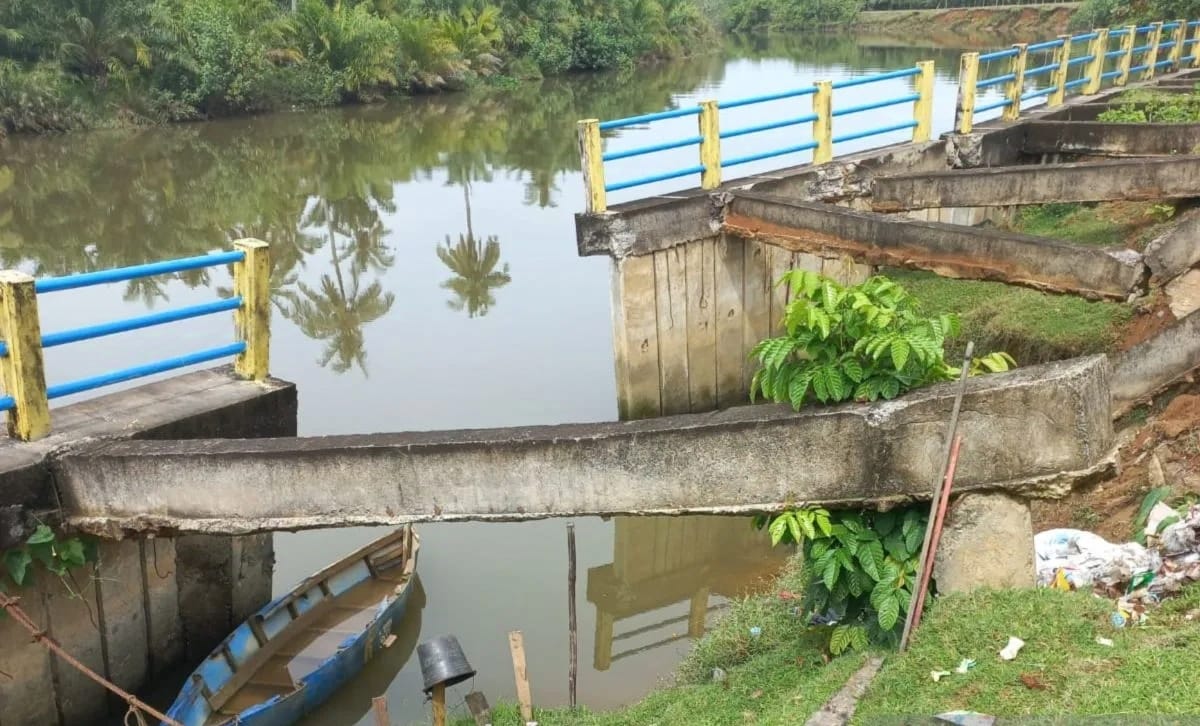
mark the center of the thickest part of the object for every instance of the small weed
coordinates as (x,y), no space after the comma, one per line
(1138,415)
(1085,517)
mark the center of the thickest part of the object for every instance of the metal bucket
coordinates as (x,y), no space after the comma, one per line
(443,662)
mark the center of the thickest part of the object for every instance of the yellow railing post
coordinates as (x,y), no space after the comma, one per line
(1152,52)
(968,79)
(591,160)
(710,145)
(1014,88)
(1062,55)
(1095,67)
(1196,47)
(252,282)
(22,367)
(823,125)
(923,106)
(1125,62)
(1177,38)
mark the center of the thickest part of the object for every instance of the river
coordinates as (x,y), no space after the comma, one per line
(427,278)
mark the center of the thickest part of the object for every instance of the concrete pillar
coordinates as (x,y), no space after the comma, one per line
(222,580)
(987,542)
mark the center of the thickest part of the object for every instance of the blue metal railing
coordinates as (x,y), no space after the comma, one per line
(91,332)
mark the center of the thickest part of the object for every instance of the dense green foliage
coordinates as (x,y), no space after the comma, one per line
(787,15)
(69,63)
(1114,13)
(864,343)
(859,569)
(1154,107)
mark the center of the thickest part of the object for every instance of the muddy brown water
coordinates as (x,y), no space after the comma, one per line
(426,278)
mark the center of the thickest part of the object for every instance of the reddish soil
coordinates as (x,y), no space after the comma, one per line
(1162,448)
(1145,324)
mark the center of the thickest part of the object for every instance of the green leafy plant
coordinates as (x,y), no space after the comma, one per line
(864,342)
(859,568)
(45,548)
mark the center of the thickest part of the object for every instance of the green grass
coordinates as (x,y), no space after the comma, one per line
(1034,327)
(1068,222)
(782,679)
(1150,670)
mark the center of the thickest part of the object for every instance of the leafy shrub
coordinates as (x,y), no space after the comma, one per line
(860,568)
(45,548)
(1150,107)
(788,15)
(548,50)
(357,45)
(864,343)
(35,99)
(600,44)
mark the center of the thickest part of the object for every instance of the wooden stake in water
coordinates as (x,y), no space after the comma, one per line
(379,706)
(439,705)
(573,674)
(516,643)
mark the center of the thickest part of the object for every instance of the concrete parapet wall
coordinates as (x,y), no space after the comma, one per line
(1029,431)
(1148,368)
(145,603)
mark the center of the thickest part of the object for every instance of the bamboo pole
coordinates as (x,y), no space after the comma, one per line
(573,675)
(439,704)
(379,706)
(516,643)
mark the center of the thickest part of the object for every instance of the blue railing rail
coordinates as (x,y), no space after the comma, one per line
(710,162)
(21,350)
(1052,69)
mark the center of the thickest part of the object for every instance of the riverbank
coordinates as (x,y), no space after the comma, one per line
(970,28)
(782,677)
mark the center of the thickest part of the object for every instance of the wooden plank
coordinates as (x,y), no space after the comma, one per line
(702,325)
(756,301)
(670,281)
(635,338)
(729,263)
(379,706)
(516,643)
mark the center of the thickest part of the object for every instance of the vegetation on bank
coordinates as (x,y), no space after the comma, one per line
(782,676)
(1114,13)
(73,63)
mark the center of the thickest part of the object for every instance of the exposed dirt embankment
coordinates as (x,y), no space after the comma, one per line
(970,27)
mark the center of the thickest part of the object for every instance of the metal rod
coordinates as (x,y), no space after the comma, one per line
(573,676)
(939,485)
(927,570)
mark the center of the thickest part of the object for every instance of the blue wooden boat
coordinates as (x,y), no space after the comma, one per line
(291,655)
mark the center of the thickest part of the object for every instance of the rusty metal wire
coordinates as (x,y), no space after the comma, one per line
(136,706)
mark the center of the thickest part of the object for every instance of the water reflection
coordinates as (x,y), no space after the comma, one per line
(473,265)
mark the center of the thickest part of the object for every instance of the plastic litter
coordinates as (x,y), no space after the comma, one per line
(966,718)
(964,666)
(1106,642)
(1078,559)
(938,675)
(755,631)
(1014,646)
(719,675)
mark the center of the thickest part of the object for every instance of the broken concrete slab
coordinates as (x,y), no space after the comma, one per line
(948,249)
(1183,294)
(1032,431)
(1148,368)
(1176,250)
(1098,138)
(1098,181)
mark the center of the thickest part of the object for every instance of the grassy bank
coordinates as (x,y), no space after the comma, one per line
(781,677)
(1033,327)
(78,63)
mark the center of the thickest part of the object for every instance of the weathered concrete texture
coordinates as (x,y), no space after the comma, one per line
(1146,369)
(27,697)
(1026,429)
(984,148)
(164,626)
(1176,250)
(659,223)
(211,404)
(72,616)
(1110,139)
(1140,179)
(948,249)
(228,579)
(987,542)
(122,613)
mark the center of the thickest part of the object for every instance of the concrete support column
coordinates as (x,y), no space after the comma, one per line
(987,542)
(222,580)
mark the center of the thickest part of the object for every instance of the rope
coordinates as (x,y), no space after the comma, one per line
(136,706)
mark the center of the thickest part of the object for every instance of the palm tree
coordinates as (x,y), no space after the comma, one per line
(93,41)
